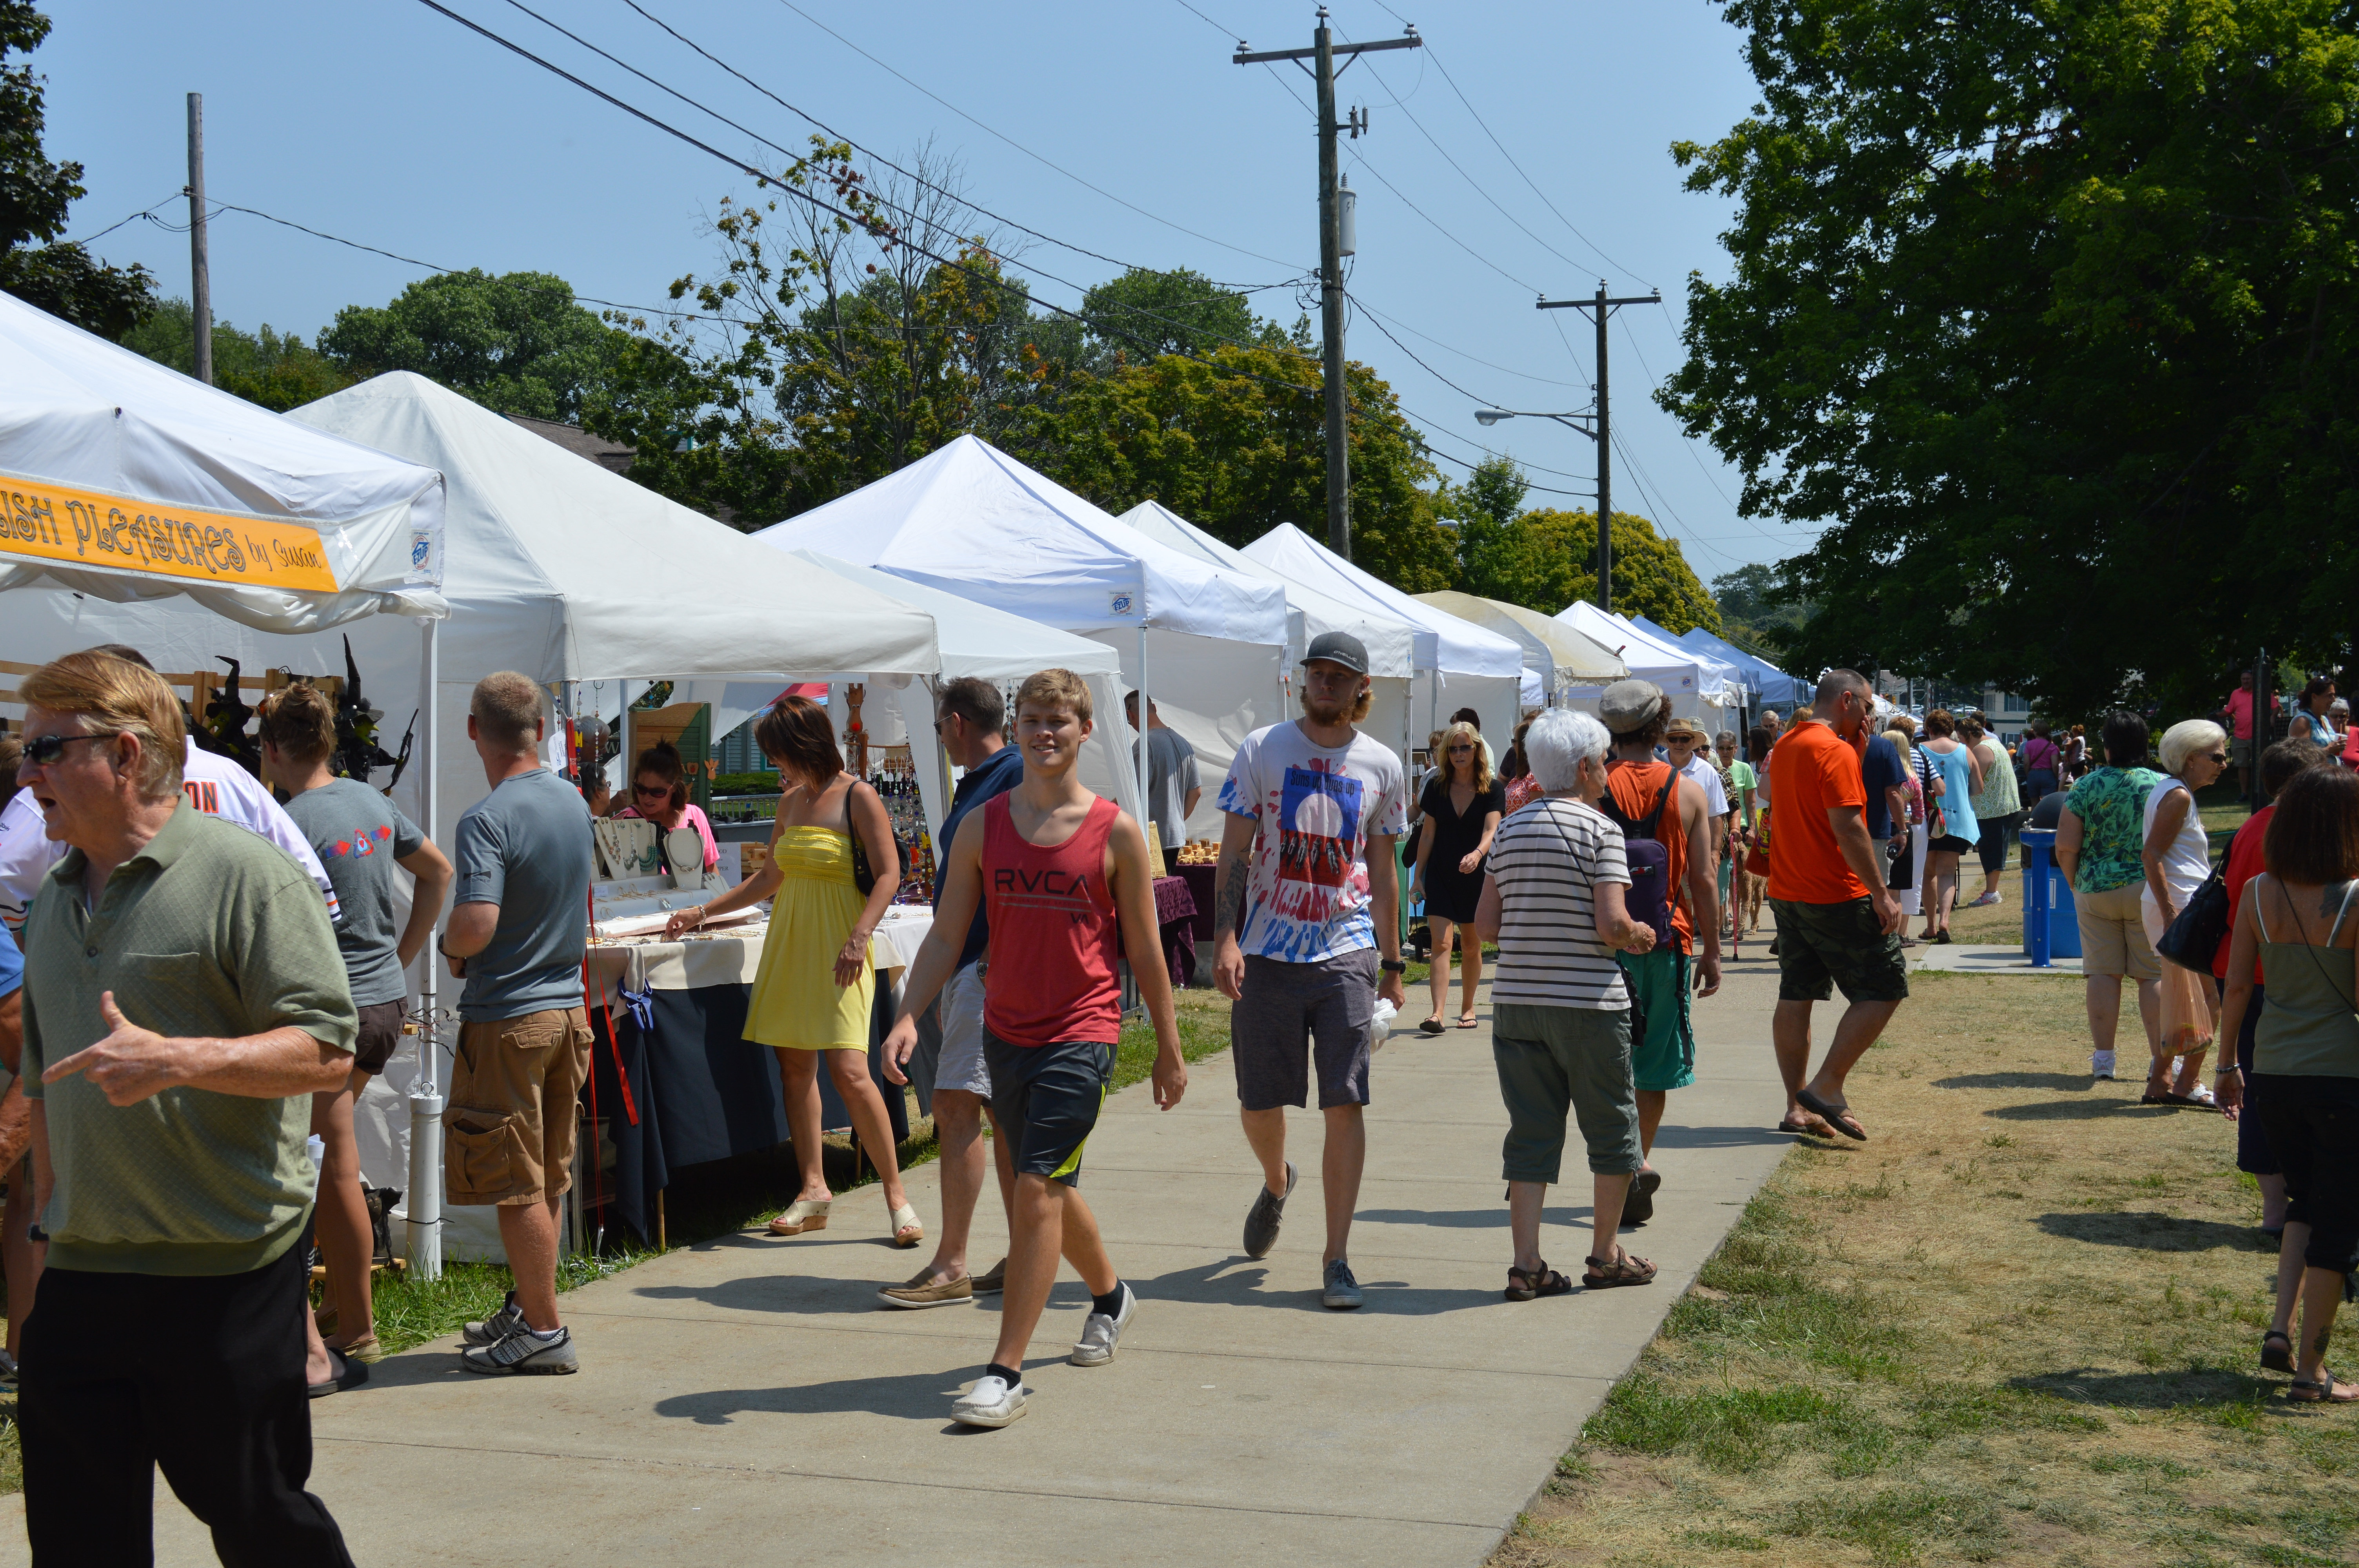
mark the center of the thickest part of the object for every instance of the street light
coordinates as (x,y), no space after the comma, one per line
(1587,425)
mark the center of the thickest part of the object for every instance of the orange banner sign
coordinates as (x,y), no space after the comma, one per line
(41,520)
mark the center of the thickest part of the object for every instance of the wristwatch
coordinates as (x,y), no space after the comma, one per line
(1392,966)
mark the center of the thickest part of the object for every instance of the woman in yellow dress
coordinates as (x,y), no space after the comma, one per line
(816,985)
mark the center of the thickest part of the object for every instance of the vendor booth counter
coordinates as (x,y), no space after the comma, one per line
(690,1088)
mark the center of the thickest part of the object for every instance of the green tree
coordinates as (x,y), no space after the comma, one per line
(1547,559)
(517,344)
(2047,311)
(36,267)
(1754,607)
(1145,314)
(1235,443)
(280,371)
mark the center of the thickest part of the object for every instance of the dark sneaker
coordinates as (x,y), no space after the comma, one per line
(498,1327)
(1640,1207)
(992,1280)
(1262,1220)
(1343,1292)
(524,1353)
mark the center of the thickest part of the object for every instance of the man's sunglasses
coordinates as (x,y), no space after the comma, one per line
(43,750)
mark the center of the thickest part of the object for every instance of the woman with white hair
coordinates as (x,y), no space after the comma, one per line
(2178,856)
(1559,1008)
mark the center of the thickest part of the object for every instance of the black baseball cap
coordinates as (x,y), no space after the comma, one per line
(1338,648)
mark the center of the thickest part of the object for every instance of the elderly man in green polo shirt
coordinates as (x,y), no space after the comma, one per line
(183,1001)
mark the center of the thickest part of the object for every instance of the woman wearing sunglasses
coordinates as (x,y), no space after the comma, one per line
(2178,857)
(1462,805)
(659,795)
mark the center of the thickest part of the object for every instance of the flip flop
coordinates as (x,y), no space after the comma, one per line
(1838,1117)
(1804,1129)
(1432,1026)
(1467,1021)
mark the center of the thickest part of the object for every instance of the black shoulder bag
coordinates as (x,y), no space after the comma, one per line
(864,875)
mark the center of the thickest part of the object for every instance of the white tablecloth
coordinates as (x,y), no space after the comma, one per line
(733,956)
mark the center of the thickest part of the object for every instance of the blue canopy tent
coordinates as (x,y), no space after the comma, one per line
(1766,685)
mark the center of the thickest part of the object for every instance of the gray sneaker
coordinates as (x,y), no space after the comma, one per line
(1261,1220)
(1343,1292)
(524,1353)
(1100,1336)
(498,1327)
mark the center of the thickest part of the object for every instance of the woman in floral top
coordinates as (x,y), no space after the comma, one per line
(2100,842)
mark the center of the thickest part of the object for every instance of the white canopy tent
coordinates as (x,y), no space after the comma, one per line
(553,566)
(1398,651)
(1472,667)
(1699,686)
(991,645)
(137,494)
(1559,655)
(971,520)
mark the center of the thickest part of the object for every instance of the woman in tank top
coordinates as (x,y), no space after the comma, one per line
(2300,919)
(2178,857)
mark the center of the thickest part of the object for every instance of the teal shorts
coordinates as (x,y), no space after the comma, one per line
(1662,1046)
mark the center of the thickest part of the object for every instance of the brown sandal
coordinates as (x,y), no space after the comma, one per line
(1528,1284)
(1605,1273)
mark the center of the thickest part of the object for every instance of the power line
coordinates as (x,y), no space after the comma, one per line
(142,212)
(1460,170)
(789,154)
(1020,148)
(805,196)
(1503,153)
(1475,359)
(910,174)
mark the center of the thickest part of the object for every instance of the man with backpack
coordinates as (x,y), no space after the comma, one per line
(1667,833)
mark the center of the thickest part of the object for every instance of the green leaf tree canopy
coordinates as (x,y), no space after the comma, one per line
(1546,559)
(63,279)
(280,371)
(517,344)
(2047,309)
(1237,446)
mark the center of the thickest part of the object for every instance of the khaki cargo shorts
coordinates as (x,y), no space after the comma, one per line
(513,1116)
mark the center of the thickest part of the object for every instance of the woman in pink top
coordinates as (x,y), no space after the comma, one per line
(659,795)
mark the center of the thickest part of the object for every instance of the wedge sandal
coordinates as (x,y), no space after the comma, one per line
(802,1215)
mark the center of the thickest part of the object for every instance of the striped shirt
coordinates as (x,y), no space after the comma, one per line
(1547,859)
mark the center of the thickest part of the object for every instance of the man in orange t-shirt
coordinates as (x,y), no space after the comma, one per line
(1662,1054)
(1837,923)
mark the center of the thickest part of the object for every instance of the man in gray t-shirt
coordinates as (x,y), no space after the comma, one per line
(519,925)
(1172,785)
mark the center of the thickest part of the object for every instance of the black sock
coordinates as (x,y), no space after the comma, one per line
(1013,1378)
(1109,1303)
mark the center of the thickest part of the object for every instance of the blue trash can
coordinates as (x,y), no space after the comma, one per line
(2063,923)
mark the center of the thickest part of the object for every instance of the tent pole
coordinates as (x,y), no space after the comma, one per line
(1145,711)
(423,1245)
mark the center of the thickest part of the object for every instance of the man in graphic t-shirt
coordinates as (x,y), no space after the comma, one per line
(1837,923)
(1308,895)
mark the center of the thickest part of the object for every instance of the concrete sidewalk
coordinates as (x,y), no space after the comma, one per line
(747,1399)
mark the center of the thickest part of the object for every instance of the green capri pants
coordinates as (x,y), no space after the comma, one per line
(1555,1060)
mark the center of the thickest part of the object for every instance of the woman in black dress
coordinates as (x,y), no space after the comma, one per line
(1461,807)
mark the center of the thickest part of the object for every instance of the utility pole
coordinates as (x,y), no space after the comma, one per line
(200,288)
(1603,307)
(1322,52)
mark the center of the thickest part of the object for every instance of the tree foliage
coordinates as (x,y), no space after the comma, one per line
(1238,445)
(2048,309)
(1546,559)
(280,371)
(515,343)
(1754,607)
(61,278)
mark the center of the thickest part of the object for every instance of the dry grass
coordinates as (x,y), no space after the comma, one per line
(2018,1325)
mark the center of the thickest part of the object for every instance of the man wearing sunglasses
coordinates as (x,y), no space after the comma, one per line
(215,784)
(185,1001)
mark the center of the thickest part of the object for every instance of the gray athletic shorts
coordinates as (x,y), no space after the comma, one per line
(1326,1006)
(961,1066)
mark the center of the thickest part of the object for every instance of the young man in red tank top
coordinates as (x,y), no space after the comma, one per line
(1067,884)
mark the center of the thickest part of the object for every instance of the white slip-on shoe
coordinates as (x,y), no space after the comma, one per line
(1101,1335)
(990,1402)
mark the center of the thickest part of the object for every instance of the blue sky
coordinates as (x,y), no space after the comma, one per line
(385,123)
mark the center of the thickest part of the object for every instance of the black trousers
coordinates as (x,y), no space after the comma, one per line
(200,1376)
